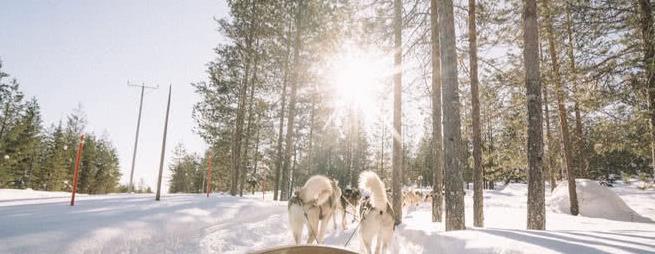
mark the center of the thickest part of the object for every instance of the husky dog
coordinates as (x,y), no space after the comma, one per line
(315,202)
(336,205)
(428,197)
(411,198)
(377,216)
(350,198)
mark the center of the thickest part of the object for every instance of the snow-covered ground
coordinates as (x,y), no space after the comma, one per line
(35,222)
(22,195)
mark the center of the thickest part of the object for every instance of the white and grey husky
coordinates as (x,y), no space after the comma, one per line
(377,216)
(315,202)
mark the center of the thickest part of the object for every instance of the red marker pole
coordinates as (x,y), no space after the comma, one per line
(80,147)
(209,173)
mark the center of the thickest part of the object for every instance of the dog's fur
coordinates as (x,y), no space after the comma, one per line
(377,216)
(412,198)
(315,202)
(336,197)
(350,198)
(428,197)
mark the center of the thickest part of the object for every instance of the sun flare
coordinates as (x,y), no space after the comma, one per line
(358,77)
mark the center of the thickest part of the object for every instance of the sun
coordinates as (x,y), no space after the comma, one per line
(357,77)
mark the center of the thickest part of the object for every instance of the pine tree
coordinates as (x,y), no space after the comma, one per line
(279,151)
(549,154)
(22,145)
(478,215)
(88,166)
(536,209)
(437,138)
(397,159)
(11,108)
(648,35)
(53,174)
(580,142)
(451,120)
(289,140)
(75,123)
(240,114)
(561,106)
(184,171)
(107,173)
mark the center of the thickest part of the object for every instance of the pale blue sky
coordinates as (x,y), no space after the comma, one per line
(73,52)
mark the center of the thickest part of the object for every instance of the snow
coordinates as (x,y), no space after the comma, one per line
(594,200)
(13,194)
(124,223)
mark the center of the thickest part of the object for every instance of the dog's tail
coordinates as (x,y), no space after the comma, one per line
(369,181)
(317,189)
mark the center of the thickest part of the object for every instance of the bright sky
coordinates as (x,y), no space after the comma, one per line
(73,52)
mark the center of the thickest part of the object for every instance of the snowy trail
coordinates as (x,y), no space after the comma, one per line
(225,224)
(252,229)
(117,223)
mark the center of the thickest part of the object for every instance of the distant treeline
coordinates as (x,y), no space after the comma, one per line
(187,173)
(32,156)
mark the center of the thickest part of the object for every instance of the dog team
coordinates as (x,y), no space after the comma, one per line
(319,200)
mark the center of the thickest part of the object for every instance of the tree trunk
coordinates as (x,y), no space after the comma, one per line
(396,161)
(549,166)
(292,106)
(491,148)
(238,133)
(311,135)
(451,120)
(582,161)
(256,155)
(649,63)
(279,151)
(437,139)
(536,193)
(349,148)
(563,120)
(550,162)
(246,144)
(384,132)
(294,173)
(478,215)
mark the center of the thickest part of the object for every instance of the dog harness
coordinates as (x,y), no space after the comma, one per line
(366,206)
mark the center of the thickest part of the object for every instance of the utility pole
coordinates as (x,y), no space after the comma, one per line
(209,172)
(138,126)
(80,149)
(163,145)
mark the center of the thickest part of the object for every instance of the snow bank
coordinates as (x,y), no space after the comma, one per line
(594,200)
(516,189)
(14,194)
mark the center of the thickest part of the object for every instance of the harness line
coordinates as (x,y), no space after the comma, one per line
(353,234)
